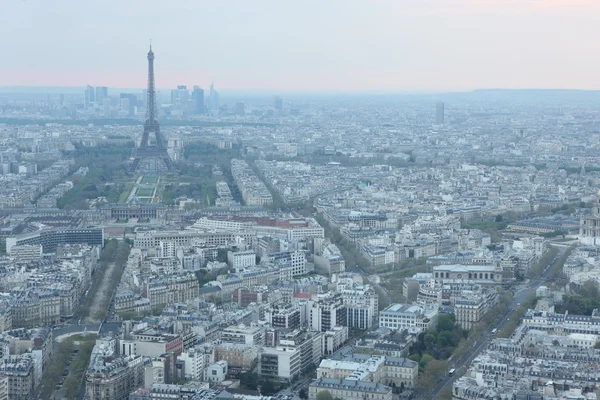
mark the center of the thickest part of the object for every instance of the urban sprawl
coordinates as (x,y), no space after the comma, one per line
(320,248)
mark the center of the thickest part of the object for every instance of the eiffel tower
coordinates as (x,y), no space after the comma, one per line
(156,150)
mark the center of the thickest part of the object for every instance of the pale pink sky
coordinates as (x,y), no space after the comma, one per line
(348,45)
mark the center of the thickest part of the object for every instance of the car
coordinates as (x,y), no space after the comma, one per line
(518,304)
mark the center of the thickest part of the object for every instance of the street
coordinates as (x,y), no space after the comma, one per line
(519,298)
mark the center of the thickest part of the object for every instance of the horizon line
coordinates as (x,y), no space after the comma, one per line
(318,91)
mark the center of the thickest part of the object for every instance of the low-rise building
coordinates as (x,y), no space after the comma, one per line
(348,389)
(216,373)
(402,316)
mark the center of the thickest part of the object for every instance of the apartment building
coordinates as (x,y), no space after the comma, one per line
(295,259)
(238,356)
(20,372)
(32,309)
(196,360)
(362,307)
(113,377)
(241,259)
(470,308)
(3,386)
(279,362)
(253,335)
(391,371)
(349,389)
(327,312)
(402,316)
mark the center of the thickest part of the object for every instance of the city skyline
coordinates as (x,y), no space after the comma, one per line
(443,45)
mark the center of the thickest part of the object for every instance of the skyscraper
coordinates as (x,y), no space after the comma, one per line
(198,100)
(278,103)
(125,106)
(183,96)
(89,96)
(180,98)
(131,103)
(439,113)
(101,93)
(106,103)
(240,108)
(213,99)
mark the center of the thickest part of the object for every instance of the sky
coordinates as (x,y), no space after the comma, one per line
(313,45)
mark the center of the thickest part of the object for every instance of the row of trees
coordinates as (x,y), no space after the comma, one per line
(80,363)
(516,318)
(268,387)
(128,315)
(350,252)
(55,369)
(113,252)
(106,165)
(536,270)
(121,254)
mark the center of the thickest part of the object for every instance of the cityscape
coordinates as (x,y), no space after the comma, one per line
(205,244)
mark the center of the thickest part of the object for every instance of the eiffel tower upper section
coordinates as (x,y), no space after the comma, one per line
(145,149)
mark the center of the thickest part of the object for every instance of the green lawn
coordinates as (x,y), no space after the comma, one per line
(144,192)
(144,200)
(125,193)
(149,180)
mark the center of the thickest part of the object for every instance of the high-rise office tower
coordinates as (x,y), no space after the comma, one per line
(106,103)
(132,102)
(439,113)
(278,103)
(101,93)
(174,96)
(86,98)
(240,108)
(213,99)
(180,98)
(89,97)
(125,105)
(183,97)
(198,100)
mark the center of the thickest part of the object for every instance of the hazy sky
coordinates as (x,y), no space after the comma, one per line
(350,45)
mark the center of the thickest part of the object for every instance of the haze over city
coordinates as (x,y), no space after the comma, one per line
(299,200)
(350,45)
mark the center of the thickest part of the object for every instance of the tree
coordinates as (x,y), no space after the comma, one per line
(415,357)
(324,395)
(433,370)
(426,359)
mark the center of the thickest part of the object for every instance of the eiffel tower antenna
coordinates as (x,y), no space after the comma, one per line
(151,125)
